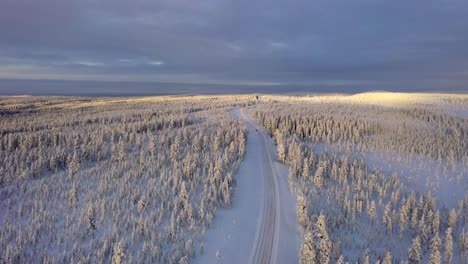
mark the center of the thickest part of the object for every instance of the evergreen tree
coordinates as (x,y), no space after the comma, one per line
(318,178)
(372,211)
(436,223)
(307,253)
(74,165)
(387,219)
(403,219)
(452,219)
(121,150)
(340,260)
(301,211)
(448,246)
(118,255)
(322,242)
(142,161)
(305,170)
(91,215)
(388,258)
(184,260)
(141,205)
(226,193)
(73,196)
(201,211)
(435,250)
(463,245)
(152,146)
(414,252)
(281,149)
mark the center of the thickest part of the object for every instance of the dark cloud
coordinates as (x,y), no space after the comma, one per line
(374,43)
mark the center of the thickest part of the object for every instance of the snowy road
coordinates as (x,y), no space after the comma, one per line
(265,248)
(261,227)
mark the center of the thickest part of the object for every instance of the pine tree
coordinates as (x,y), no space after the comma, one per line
(118,255)
(91,215)
(138,142)
(142,161)
(305,170)
(140,227)
(242,146)
(74,165)
(184,201)
(301,211)
(372,211)
(452,219)
(73,196)
(448,246)
(403,219)
(414,252)
(114,152)
(318,178)
(366,258)
(226,193)
(322,242)
(435,250)
(171,228)
(201,210)
(414,218)
(463,245)
(387,218)
(436,223)
(307,253)
(388,258)
(152,146)
(184,260)
(141,205)
(281,149)
(121,150)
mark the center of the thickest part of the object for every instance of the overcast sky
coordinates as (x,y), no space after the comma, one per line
(370,43)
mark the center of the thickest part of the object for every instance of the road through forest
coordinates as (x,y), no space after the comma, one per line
(261,226)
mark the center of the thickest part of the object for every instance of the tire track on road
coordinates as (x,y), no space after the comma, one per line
(265,248)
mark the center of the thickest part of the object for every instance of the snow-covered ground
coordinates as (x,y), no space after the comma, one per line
(240,234)
(448,186)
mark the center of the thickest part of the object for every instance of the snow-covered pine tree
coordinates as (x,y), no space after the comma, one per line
(448,246)
(318,178)
(452,219)
(435,250)
(74,165)
(414,252)
(372,212)
(118,255)
(281,150)
(463,245)
(321,241)
(388,258)
(301,211)
(121,150)
(91,216)
(307,253)
(73,196)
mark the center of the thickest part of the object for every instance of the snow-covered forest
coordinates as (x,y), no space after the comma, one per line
(86,180)
(376,177)
(376,181)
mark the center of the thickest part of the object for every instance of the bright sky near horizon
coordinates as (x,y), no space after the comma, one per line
(335,43)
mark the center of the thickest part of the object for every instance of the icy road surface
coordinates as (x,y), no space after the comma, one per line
(261,226)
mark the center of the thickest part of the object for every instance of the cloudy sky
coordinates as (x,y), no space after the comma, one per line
(379,44)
